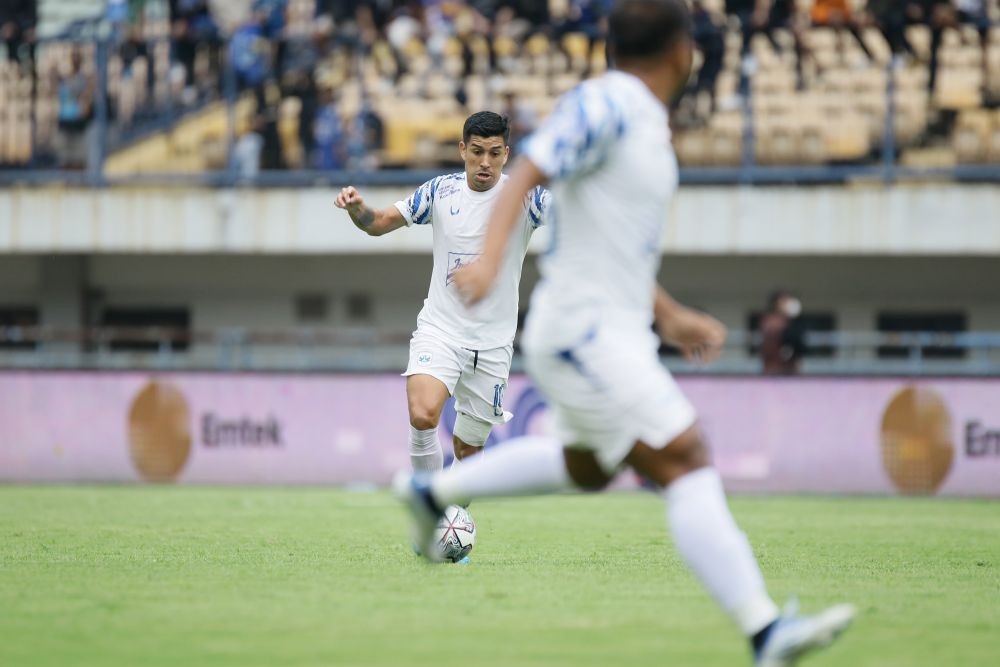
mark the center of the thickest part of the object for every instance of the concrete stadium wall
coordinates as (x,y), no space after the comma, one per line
(868,436)
(261,291)
(924,219)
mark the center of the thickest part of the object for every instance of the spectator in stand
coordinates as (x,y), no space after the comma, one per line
(402,28)
(345,11)
(782,336)
(976,14)
(302,85)
(534,12)
(766,16)
(271,155)
(271,16)
(752,17)
(18,19)
(710,39)
(365,138)
(523,119)
(250,53)
(191,25)
(339,10)
(890,17)
(837,14)
(938,15)
(328,134)
(76,92)
(586,17)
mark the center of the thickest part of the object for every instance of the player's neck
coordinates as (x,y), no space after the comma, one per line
(658,79)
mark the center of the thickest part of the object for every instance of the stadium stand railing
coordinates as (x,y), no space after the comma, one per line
(376,349)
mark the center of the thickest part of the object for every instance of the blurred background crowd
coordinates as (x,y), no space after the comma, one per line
(343,84)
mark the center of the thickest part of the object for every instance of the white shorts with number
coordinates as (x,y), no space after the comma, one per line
(607,388)
(477,379)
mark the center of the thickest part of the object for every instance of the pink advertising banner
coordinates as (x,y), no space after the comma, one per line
(814,435)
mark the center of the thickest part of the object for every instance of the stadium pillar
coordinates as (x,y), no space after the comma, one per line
(96,146)
(747,71)
(889,136)
(230,93)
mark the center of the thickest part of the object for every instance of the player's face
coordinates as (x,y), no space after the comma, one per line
(484,160)
(681,58)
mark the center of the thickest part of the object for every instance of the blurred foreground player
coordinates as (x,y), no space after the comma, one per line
(588,343)
(457,349)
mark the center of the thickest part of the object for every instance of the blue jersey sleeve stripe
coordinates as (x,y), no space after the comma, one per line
(535,210)
(423,202)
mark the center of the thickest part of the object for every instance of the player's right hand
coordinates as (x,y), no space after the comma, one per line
(349,198)
(699,336)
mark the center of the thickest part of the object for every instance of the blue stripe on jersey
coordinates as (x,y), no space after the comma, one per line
(537,207)
(415,207)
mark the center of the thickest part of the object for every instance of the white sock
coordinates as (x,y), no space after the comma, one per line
(525,466)
(425,450)
(716,550)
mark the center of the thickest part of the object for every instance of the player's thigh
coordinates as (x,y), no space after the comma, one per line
(609,396)
(431,376)
(582,417)
(479,395)
(425,398)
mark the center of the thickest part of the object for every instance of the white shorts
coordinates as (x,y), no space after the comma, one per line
(477,379)
(609,391)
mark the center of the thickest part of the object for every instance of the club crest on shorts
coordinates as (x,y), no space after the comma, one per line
(424,358)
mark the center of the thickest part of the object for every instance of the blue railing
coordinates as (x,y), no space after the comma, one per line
(237,348)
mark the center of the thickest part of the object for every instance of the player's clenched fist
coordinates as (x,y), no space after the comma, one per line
(349,198)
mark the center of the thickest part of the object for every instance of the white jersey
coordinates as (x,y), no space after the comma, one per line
(606,151)
(459,216)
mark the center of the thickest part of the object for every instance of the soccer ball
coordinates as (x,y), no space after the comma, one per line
(455,534)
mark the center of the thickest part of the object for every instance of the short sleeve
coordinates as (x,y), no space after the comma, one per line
(538,206)
(578,135)
(416,209)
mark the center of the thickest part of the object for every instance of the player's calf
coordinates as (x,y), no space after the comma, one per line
(470,436)
(464,450)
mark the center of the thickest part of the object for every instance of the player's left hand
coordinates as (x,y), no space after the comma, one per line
(699,337)
(474,281)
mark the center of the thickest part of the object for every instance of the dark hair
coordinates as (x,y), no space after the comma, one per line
(776,296)
(486,124)
(645,28)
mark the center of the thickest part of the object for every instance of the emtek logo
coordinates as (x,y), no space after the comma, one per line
(981,442)
(243,432)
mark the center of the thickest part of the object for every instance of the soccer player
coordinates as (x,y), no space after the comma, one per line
(588,342)
(457,350)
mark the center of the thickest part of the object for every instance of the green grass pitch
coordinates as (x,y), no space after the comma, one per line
(116,576)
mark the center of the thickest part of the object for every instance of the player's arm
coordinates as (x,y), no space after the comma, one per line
(699,337)
(371,221)
(475,280)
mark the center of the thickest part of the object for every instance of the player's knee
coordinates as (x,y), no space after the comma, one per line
(585,470)
(662,465)
(423,419)
(689,451)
